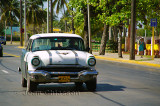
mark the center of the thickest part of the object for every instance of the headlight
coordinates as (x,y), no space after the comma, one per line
(35,61)
(91,61)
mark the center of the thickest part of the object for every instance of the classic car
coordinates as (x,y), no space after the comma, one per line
(57,58)
(1,51)
(2,40)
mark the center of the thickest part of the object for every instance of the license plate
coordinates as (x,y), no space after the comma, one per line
(64,78)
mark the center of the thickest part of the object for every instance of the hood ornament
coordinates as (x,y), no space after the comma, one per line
(63,53)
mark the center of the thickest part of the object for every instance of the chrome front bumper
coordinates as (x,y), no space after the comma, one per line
(42,76)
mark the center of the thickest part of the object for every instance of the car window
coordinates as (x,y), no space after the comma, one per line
(58,43)
(29,45)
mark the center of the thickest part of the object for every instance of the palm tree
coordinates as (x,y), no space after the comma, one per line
(66,16)
(10,12)
(3,3)
(60,5)
(34,14)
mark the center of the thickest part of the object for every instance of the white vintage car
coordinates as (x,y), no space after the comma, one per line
(57,58)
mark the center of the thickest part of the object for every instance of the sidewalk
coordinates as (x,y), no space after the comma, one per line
(145,61)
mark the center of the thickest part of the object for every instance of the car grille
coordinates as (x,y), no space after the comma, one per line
(63,68)
(72,76)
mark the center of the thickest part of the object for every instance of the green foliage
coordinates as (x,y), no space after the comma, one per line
(112,45)
(10,12)
(141,32)
(14,38)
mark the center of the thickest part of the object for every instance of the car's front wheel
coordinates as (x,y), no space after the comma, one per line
(92,84)
(1,53)
(23,82)
(31,86)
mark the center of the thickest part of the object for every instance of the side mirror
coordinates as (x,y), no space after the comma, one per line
(87,49)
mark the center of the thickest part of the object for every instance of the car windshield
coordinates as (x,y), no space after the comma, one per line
(58,43)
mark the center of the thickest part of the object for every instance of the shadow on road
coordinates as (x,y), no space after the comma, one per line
(109,87)
(71,88)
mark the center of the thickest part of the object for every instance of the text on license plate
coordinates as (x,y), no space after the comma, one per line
(64,78)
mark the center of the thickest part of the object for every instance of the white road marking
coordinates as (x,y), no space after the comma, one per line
(5,71)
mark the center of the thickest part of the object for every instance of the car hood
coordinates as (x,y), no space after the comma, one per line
(65,57)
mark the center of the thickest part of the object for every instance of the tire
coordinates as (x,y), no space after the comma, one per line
(78,84)
(92,84)
(23,82)
(31,86)
(1,54)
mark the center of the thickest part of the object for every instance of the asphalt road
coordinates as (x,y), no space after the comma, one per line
(119,84)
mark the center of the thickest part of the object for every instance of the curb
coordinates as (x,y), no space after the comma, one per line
(129,61)
(21,47)
(11,55)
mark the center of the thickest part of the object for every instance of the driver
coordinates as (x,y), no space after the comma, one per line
(73,44)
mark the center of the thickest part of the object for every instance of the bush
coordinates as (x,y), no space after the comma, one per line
(112,45)
(14,38)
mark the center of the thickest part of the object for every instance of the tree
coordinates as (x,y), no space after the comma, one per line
(1,28)
(10,13)
(81,17)
(114,13)
(59,4)
(146,10)
(3,3)
(66,16)
(35,15)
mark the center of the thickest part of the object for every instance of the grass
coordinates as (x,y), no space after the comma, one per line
(13,43)
(144,60)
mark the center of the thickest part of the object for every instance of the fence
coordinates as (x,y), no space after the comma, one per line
(109,48)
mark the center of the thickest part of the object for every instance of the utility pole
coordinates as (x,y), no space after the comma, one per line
(133,29)
(47,16)
(21,38)
(89,27)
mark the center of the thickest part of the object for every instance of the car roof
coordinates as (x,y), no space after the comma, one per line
(54,35)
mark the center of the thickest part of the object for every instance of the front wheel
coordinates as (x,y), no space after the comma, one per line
(23,82)
(1,53)
(92,84)
(31,86)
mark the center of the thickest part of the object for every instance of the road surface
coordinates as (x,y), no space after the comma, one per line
(118,84)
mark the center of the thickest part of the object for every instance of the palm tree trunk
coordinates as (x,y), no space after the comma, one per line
(110,33)
(115,33)
(120,43)
(11,34)
(73,29)
(51,17)
(86,37)
(104,40)
(65,25)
